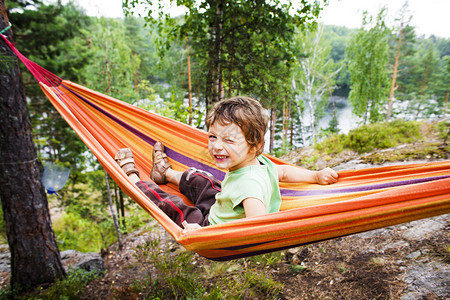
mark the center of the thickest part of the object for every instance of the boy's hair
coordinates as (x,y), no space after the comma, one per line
(245,112)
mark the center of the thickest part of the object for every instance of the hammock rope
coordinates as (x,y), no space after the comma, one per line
(361,200)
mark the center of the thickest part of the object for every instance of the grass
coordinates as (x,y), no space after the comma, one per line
(70,287)
(176,275)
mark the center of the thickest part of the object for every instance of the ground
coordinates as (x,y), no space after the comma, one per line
(406,261)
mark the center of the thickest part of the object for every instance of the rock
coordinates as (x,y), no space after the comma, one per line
(425,228)
(414,255)
(427,279)
(70,259)
(5,262)
(396,245)
(90,261)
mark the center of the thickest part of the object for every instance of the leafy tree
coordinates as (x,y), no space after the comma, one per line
(234,39)
(58,46)
(367,57)
(339,37)
(443,83)
(112,66)
(403,47)
(315,75)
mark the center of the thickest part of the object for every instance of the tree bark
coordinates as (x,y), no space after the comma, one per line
(214,82)
(35,258)
(273,119)
(394,75)
(113,213)
(189,81)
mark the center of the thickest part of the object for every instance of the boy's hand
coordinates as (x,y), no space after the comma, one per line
(190,226)
(326,176)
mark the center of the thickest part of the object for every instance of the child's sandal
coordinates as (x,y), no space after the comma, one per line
(160,164)
(124,157)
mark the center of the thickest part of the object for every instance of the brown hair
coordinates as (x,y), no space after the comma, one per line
(245,112)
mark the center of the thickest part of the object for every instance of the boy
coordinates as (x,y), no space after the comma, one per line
(236,129)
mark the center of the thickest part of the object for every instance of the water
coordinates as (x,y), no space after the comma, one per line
(346,120)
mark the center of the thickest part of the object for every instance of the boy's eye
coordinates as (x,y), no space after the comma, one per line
(229,141)
(212,138)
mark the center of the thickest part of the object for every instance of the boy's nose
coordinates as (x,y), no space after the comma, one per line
(218,145)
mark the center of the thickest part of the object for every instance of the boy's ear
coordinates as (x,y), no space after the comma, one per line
(257,147)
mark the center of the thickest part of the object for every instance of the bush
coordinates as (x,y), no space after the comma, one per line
(367,138)
(75,233)
(170,276)
(443,129)
(70,287)
(333,144)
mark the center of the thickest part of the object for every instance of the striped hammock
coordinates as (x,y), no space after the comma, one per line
(361,200)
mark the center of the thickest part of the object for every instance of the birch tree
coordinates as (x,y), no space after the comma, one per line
(367,58)
(315,76)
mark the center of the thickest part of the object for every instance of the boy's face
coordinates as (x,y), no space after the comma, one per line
(229,148)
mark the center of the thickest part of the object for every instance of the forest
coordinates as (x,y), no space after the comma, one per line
(179,67)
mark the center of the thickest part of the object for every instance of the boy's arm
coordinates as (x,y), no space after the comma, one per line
(253,207)
(287,173)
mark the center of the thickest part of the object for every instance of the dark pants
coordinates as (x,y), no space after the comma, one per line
(198,186)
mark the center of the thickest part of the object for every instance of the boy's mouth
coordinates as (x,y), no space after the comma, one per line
(220,157)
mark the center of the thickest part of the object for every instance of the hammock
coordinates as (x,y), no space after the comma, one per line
(362,199)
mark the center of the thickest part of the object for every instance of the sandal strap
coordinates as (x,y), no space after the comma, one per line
(125,161)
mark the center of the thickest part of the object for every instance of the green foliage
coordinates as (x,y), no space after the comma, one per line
(76,233)
(333,144)
(250,285)
(175,275)
(243,46)
(70,287)
(269,259)
(367,56)
(314,75)
(3,238)
(367,138)
(168,276)
(443,129)
(112,66)
(297,268)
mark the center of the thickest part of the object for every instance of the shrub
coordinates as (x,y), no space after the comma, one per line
(70,287)
(443,129)
(75,233)
(367,138)
(333,144)
(170,275)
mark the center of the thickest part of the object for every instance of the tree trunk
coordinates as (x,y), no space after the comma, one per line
(273,119)
(113,213)
(35,258)
(214,83)
(394,75)
(189,82)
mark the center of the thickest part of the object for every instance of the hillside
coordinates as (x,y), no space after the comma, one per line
(407,261)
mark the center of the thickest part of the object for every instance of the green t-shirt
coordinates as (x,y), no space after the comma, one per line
(255,181)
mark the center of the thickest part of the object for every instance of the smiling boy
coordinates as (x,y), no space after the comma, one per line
(236,129)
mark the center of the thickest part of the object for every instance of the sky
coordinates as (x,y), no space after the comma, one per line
(429,17)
